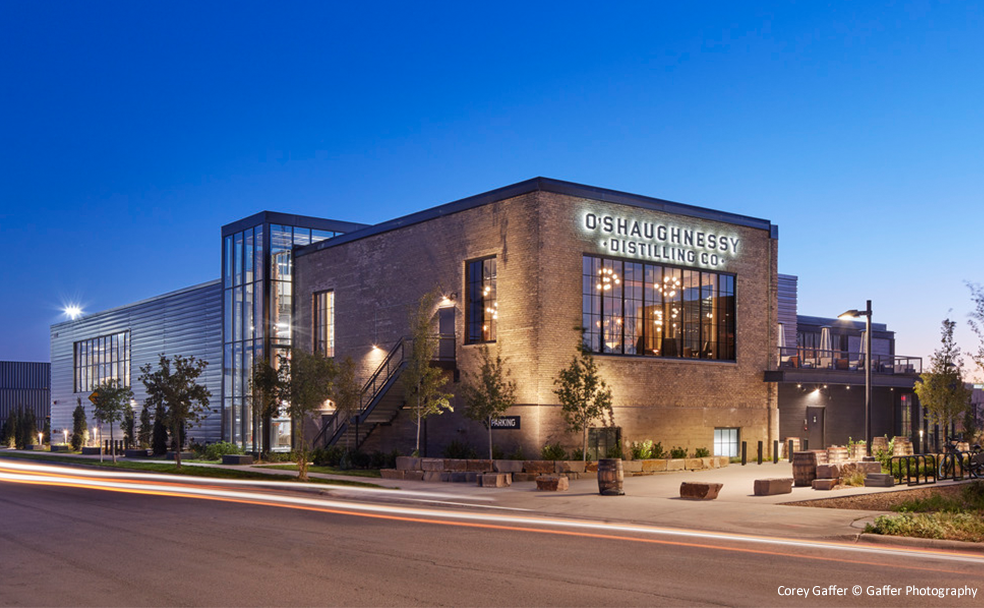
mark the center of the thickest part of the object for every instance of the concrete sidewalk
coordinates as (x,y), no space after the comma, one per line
(652,500)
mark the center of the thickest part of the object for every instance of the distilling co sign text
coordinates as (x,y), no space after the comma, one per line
(631,237)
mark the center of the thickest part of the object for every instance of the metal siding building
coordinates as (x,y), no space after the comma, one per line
(186,322)
(25,385)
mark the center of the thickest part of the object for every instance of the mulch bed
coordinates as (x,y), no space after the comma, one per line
(880,501)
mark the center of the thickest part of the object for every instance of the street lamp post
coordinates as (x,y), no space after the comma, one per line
(866,313)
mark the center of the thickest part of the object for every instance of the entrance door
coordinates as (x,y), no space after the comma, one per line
(445,329)
(814,427)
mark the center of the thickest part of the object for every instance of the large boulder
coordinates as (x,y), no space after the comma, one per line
(700,490)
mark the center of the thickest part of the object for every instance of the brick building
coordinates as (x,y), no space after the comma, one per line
(678,302)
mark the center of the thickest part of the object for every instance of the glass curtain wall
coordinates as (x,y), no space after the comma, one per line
(257,272)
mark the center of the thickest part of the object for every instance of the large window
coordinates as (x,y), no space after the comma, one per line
(631,308)
(323,315)
(482,308)
(100,359)
(726,442)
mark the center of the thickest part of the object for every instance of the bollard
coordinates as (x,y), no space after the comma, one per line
(775,451)
(744,453)
(789,451)
(760,452)
(806,445)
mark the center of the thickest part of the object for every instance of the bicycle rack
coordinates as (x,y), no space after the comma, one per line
(911,469)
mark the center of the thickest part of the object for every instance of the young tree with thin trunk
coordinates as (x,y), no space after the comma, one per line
(489,393)
(423,383)
(111,400)
(347,392)
(306,384)
(173,388)
(941,390)
(267,390)
(584,395)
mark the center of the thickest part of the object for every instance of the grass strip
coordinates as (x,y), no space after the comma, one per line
(327,470)
(186,470)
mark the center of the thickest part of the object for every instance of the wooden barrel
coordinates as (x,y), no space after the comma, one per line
(836,454)
(610,476)
(903,447)
(804,468)
(879,444)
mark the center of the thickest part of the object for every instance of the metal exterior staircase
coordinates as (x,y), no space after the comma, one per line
(380,402)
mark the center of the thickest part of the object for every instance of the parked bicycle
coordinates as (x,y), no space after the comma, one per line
(953,460)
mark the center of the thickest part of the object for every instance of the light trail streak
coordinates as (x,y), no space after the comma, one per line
(547,525)
(185,481)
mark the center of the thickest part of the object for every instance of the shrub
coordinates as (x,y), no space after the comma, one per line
(359,459)
(702,453)
(577,454)
(553,451)
(647,449)
(614,451)
(853,479)
(215,451)
(497,453)
(678,452)
(383,460)
(330,456)
(458,449)
(517,454)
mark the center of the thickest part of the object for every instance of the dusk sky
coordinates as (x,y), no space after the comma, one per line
(132,131)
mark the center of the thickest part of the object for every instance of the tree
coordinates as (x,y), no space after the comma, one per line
(111,399)
(306,384)
(174,390)
(146,427)
(489,393)
(8,437)
(347,392)
(424,384)
(976,322)
(79,426)
(266,387)
(584,395)
(941,390)
(159,440)
(129,426)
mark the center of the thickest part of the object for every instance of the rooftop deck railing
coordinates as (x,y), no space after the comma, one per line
(838,360)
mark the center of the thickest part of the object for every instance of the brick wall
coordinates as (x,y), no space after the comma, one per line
(539,247)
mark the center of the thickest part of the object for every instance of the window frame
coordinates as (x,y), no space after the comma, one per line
(481,313)
(323,322)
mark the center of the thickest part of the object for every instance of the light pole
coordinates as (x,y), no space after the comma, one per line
(866,313)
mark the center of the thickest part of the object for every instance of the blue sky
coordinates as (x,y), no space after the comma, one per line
(133,130)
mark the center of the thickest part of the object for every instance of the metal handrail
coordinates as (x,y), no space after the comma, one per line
(839,360)
(382,375)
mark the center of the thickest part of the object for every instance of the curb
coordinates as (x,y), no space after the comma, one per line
(924,543)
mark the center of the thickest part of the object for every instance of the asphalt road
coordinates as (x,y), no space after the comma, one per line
(69,546)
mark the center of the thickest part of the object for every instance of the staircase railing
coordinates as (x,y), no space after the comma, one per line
(335,425)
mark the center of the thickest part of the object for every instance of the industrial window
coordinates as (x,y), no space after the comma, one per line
(631,308)
(482,309)
(726,442)
(323,314)
(100,359)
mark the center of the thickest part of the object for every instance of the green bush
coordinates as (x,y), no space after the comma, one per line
(577,454)
(967,527)
(615,451)
(517,454)
(678,452)
(553,451)
(458,449)
(383,460)
(215,451)
(330,456)
(497,453)
(646,449)
(702,453)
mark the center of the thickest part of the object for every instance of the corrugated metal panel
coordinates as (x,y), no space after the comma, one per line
(787,307)
(25,385)
(187,322)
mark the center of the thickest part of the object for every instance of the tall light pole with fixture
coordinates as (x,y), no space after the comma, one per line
(866,313)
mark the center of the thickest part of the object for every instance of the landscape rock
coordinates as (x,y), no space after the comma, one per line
(694,490)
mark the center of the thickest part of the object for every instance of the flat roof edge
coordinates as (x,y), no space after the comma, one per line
(544,184)
(204,285)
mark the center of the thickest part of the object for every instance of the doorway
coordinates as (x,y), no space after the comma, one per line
(815,427)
